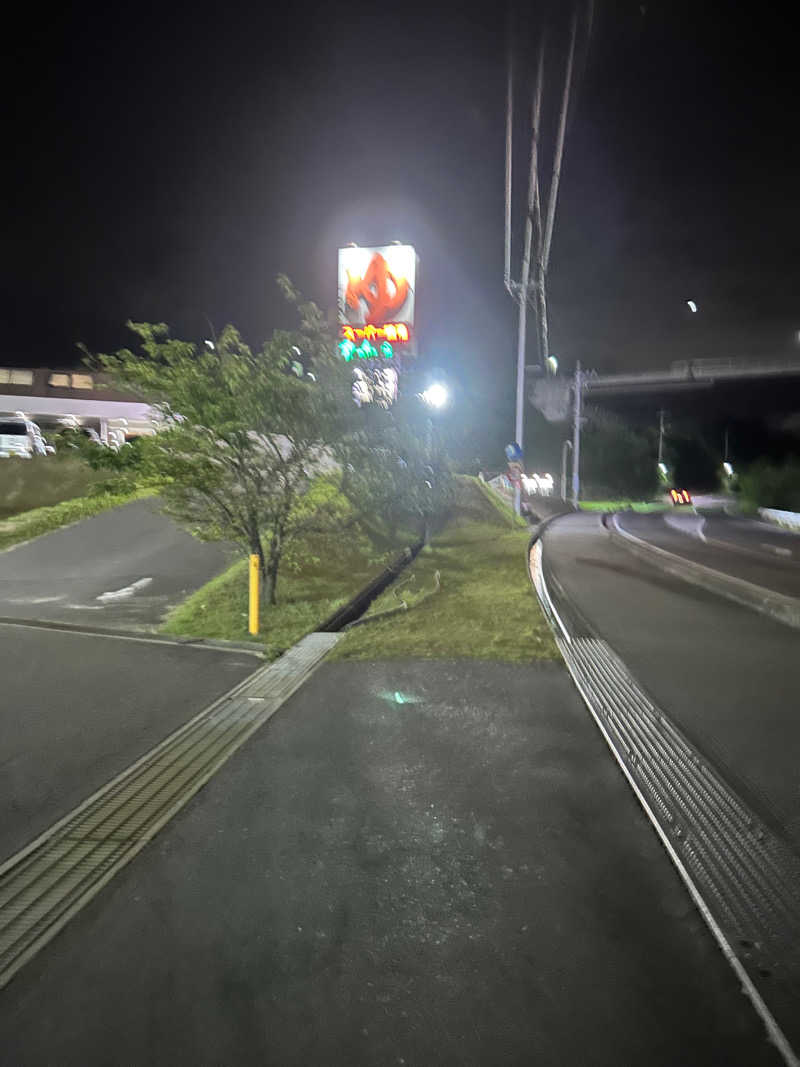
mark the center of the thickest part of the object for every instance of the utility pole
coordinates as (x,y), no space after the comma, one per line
(538,234)
(559,152)
(576,436)
(533,215)
(509,114)
(661,437)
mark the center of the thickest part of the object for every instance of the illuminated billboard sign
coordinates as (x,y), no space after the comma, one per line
(377,288)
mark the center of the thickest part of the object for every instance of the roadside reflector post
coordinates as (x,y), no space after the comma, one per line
(253,594)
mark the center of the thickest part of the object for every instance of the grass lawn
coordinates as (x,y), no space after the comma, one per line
(333,572)
(30,524)
(619,505)
(485,608)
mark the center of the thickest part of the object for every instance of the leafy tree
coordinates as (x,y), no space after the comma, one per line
(615,459)
(772,485)
(245,432)
(397,468)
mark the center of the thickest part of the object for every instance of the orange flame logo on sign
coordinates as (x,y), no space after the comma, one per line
(381,300)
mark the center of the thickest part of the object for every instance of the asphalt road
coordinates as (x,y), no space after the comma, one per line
(414,863)
(727,675)
(122,569)
(77,709)
(762,554)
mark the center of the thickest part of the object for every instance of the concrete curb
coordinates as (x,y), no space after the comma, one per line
(784,609)
(787,520)
(150,637)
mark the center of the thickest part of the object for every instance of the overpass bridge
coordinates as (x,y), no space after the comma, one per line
(737,388)
(692,374)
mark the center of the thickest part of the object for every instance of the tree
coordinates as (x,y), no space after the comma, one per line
(772,485)
(244,432)
(396,467)
(616,460)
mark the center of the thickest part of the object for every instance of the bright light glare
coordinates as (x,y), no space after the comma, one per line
(727,468)
(435,395)
(663,468)
(540,484)
(692,305)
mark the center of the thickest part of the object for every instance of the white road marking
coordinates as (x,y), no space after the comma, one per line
(778,551)
(690,525)
(34,599)
(125,592)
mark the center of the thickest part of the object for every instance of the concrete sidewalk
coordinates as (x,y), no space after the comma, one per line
(415,862)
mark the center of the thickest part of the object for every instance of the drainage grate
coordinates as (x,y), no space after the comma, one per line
(45,884)
(743,876)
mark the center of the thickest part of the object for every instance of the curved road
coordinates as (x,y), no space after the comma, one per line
(755,551)
(124,569)
(728,676)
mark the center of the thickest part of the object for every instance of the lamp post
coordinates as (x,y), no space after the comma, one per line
(434,397)
(566,447)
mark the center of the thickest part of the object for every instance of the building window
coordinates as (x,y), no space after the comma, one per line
(16,376)
(82,381)
(61,381)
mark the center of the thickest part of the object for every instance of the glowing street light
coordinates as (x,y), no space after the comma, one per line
(435,396)
(692,306)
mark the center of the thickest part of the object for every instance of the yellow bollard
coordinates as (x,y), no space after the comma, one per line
(253,594)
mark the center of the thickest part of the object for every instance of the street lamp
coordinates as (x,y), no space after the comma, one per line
(567,446)
(436,395)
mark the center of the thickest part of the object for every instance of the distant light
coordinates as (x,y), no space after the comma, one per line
(209,344)
(663,468)
(552,364)
(728,469)
(692,305)
(435,395)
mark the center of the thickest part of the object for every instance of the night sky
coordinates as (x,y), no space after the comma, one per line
(166,164)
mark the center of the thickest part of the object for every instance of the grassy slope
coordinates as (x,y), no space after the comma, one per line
(485,608)
(43,481)
(338,568)
(618,505)
(44,520)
